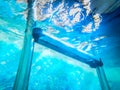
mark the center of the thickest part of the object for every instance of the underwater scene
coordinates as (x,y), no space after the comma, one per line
(59,45)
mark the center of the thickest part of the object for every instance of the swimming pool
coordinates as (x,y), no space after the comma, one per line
(65,24)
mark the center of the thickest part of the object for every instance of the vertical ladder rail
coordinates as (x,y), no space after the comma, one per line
(102,78)
(23,73)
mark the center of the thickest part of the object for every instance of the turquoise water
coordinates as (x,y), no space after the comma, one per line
(68,21)
(50,70)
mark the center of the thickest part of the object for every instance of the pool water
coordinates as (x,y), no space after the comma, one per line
(68,21)
(50,70)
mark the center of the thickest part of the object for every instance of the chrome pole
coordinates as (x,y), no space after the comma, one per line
(23,73)
(102,78)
